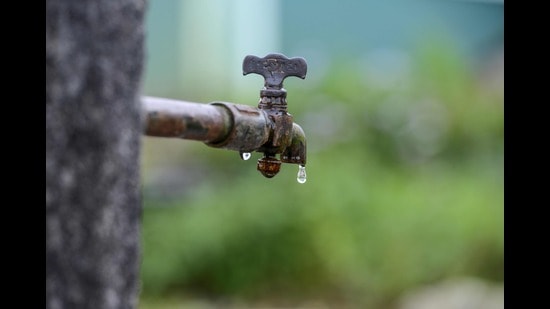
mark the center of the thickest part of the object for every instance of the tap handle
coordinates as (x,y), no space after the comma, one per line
(275,68)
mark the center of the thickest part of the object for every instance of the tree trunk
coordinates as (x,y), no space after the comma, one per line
(94,61)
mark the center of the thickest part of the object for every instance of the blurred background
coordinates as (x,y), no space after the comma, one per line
(402,108)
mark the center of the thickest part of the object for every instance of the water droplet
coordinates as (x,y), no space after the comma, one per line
(301,174)
(245,155)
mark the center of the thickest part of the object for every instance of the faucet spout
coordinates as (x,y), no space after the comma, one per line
(296,152)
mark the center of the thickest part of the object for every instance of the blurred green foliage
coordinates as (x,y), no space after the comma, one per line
(405,186)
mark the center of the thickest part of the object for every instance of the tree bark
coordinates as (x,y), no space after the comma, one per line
(94,61)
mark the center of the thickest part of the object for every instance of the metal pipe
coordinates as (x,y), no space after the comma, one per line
(186,120)
(219,124)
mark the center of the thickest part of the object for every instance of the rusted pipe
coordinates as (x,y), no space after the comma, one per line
(186,120)
(219,124)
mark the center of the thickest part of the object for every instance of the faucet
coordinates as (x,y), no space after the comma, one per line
(268,129)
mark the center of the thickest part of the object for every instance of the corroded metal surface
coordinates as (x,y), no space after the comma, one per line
(250,128)
(285,138)
(221,125)
(187,120)
(269,128)
(275,68)
(269,166)
(295,153)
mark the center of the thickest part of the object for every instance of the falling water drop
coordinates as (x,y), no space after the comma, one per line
(245,155)
(301,174)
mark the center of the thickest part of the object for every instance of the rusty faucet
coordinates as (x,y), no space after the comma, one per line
(268,129)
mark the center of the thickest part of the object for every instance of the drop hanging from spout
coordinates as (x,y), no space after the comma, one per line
(245,155)
(301,178)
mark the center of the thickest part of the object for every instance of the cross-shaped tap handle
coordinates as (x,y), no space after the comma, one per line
(275,68)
